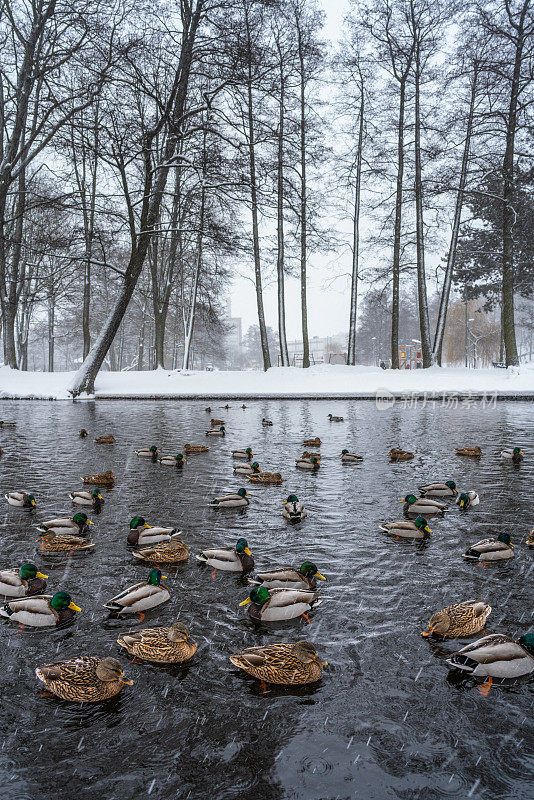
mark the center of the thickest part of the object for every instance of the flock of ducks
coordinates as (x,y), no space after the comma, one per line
(278,594)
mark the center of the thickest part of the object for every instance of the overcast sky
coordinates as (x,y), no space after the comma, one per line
(327,299)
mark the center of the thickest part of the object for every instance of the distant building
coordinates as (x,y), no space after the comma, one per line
(321,350)
(234,337)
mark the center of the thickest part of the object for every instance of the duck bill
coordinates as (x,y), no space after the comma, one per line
(245,602)
(40,575)
(74,607)
(125,681)
(88,522)
(247,551)
(426,633)
(318,575)
(323,663)
(146,525)
(427,529)
(164,577)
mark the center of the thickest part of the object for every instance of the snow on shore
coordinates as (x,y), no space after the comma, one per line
(279,382)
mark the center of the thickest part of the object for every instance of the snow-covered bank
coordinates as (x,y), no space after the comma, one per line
(278,382)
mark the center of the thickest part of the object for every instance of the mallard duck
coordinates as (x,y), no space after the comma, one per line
(245,454)
(82,433)
(474,452)
(41,610)
(5,424)
(148,452)
(283,663)
(515,454)
(243,406)
(1,452)
(86,679)
(22,582)
(194,449)
(349,458)
(447,489)
(316,442)
(172,461)
(307,454)
(216,422)
(312,464)
(229,559)
(21,499)
(108,438)
(400,455)
(274,605)
(289,578)
(530,538)
(100,479)
(141,533)
(247,469)
(422,506)
(219,432)
(93,499)
(495,549)
(406,529)
(226,406)
(460,619)
(271,478)
(172,552)
(170,645)
(266,422)
(140,597)
(61,543)
(467,499)
(231,500)
(495,656)
(208,410)
(293,509)
(78,525)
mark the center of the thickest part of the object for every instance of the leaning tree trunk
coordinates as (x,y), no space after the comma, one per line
(51,331)
(424,325)
(351,349)
(398,230)
(303,214)
(189,323)
(451,257)
(280,265)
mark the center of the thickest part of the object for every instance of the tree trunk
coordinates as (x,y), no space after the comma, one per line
(303,211)
(284,355)
(141,344)
(398,229)
(51,334)
(451,257)
(424,325)
(189,325)
(353,317)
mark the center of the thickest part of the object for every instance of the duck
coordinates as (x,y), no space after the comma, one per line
(172,461)
(473,452)
(243,406)
(266,422)
(108,438)
(22,582)
(247,469)
(41,610)
(447,489)
(78,525)
(217,432)
(293,509)
(530,538)
(93,499)
(307,454)
(171,552)
(400,455)
(289,578)
(216,422)
(140,597)
(231,500)
(208,410)
(467,499)
(422,506)
(194,449)
(21,499)
(513,454)
(332,418)
(497,548)
(245,454)
(61,543)
(315,442)
(459,619)
(229,559)
(226,406)
(82,433)
(148,452)
(141,533)
(406,529)
(349,458)
(289,664)
(85,679)
(495,656)
(170,645)
(100,479)
(271,478)
(6,424)
(312,464)
(274,605)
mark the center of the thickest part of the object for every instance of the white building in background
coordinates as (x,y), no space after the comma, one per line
(323,350)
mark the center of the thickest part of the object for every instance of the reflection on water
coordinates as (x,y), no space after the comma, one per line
(385,721)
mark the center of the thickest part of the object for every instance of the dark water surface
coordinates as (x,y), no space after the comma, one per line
(385,721)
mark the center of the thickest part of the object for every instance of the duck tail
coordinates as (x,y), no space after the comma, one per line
(41,528)
(6,611)
(463,662)
(202,557)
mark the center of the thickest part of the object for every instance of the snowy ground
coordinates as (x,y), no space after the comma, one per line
(279,382)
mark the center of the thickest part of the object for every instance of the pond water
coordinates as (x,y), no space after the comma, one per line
(385,721)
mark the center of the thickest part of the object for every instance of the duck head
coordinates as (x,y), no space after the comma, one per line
(309,570)
(62,600)
(258,595)
(30,501)
(292,498)
(29,571)
(452,486)
(154,577)
(422,524)
(505,538)
(138,522)
(110,669)
(81,520)
(242,493)
(242,547)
